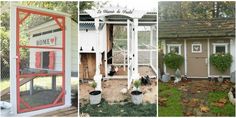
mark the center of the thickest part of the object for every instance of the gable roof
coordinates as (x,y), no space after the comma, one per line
(90,26)
(196,28)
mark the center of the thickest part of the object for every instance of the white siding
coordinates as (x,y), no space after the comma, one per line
(89,39)
(74,47)
(58,53)
(232,51)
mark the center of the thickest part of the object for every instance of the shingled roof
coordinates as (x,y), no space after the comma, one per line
(196,28)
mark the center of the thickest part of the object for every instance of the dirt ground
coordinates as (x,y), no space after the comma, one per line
(195,95)
(111,92)
(143,71)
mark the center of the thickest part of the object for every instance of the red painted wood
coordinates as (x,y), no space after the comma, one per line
(38,60)
(41,47)
(18,46)
(41,74)
(51,60)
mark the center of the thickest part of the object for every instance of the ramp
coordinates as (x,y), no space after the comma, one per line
(22,82)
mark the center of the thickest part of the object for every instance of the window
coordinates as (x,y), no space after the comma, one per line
(176,48)
(220,47)
(45,60)
(196,48)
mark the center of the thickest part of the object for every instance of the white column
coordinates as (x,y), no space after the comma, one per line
(98,77)
(13,92)
(185,58)
(106,47)
(208,57)
(232,52)
(164,51)
(135,75)
(151,43)
(68,61)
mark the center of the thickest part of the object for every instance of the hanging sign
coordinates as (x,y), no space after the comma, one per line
(48,42)
(115,10)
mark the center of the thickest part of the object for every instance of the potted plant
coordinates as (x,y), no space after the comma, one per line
(173,61)
(136,94)
(221,62)
(95,95)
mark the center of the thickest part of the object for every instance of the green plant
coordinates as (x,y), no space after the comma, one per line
(93,84)
(173,60)
(221,61)
(137,83)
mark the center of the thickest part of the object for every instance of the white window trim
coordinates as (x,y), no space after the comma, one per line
(197,44)
(220,44)
(178,45)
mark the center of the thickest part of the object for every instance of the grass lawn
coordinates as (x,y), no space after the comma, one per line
(129,109)
(4,84)
(40,82)
(173,105)
(227,110)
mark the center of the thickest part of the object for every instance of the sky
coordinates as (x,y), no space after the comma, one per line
(146,5)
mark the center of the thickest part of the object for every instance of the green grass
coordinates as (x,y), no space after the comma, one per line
(43,82)
(129,109)
(4,84)
(173,105)
(227,110)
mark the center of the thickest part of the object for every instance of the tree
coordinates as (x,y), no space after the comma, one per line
(196,10)
(4,39)
(86,5)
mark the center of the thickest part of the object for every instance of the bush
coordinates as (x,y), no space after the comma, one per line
(137,83)
(173,60)
(94,84)
(221,61)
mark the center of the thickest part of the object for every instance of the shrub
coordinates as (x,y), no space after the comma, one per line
(173,60)
(221,61)
(94,84)
(137,83)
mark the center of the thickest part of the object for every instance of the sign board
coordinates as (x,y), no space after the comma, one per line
(115,10)
(47,42)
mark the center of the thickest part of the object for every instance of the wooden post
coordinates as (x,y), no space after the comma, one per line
(31,87)
(54,81)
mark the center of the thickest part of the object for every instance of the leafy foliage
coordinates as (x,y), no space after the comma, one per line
(86,5)
(70,7)
(137,83)
(94,84)
(105,109)
(5,63)
(196,10)
(173,60)
(221,61)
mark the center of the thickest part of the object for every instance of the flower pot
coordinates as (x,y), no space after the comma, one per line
(220,79)
(165,78)
(137,97)
(95,97)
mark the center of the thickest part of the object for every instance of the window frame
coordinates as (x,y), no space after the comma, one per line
(220,44)
(175,45)
(195,44)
